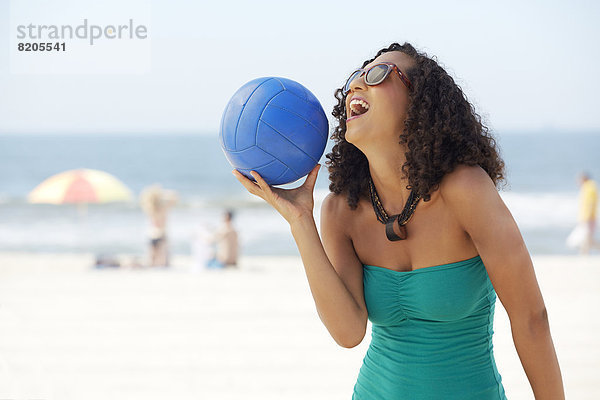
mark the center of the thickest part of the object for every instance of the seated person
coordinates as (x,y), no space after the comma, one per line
(226,240)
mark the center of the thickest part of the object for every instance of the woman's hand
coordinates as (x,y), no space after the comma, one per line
(292,204)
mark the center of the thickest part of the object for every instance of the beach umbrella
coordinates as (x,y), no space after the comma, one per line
(80,186)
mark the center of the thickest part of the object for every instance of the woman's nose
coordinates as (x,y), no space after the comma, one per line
(358,83)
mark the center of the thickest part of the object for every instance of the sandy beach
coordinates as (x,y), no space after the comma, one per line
(69,331)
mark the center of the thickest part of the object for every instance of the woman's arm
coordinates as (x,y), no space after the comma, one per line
(334,273)
(471,195)
(337,291)
(342,312)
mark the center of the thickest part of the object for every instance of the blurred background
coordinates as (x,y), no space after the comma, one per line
(530,69)
(541,168)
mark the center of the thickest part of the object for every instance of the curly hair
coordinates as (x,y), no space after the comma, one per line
(441,131)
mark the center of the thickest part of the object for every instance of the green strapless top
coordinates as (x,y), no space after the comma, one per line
(431,334)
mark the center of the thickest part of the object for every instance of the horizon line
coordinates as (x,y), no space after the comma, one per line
(513,131)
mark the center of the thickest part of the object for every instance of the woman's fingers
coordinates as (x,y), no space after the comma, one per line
(252,187)
(268,195)
(260,181)
(311,179)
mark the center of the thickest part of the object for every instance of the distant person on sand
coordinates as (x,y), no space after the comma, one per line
(583,235)
(156,202)
(226,240)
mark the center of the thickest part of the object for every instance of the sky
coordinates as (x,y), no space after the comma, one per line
(526,66)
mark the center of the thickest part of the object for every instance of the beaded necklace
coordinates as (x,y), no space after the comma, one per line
(402,218)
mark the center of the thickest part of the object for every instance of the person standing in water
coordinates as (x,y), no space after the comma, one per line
(588,203)
(156,203)
(425,273)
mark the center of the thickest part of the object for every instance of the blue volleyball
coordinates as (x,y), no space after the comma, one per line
(276,127)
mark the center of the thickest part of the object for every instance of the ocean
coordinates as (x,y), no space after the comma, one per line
(542,192)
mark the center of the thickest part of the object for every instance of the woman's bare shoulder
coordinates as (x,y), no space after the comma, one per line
(470,194)
(335,211)
(464,178)
(334,202)
(336,205)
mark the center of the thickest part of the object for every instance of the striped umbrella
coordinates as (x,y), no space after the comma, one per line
(80,186)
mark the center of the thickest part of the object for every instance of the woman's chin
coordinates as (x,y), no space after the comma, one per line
(354,134)
(350,136)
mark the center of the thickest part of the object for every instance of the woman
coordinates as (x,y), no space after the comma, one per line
(156,203)
(425,273)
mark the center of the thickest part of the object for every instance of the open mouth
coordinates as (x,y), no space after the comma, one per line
(358,107)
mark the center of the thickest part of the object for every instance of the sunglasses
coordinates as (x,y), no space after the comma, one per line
(375,75)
